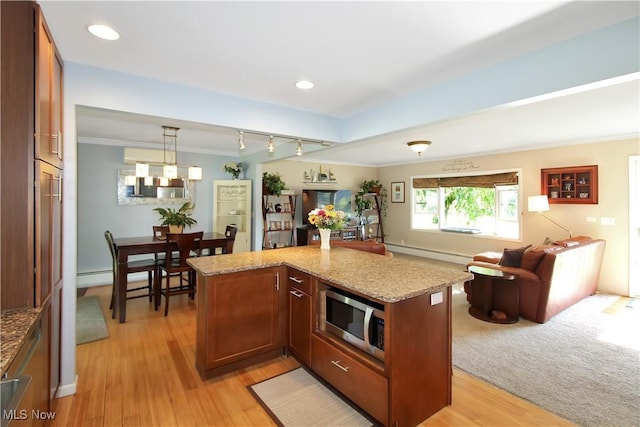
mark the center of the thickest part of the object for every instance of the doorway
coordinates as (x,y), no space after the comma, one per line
(634,226)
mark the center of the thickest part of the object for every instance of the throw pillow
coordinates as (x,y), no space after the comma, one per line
(512,257)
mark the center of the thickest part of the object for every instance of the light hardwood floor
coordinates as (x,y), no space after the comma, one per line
(144,375)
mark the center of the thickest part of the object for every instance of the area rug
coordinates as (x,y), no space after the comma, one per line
(90,323)
(296,398)
(583,364)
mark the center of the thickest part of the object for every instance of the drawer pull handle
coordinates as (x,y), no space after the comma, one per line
(295,279)
(337,363)
(297,294)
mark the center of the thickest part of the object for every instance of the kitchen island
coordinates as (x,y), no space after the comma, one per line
(245,314)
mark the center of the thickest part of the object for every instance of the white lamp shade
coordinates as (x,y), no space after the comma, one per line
(130,180)
(538,203)
(142,170)
(164,181)
(195,173)
(170,171)
(148,181)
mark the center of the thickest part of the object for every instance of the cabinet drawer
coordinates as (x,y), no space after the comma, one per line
(363,386)
(300,280)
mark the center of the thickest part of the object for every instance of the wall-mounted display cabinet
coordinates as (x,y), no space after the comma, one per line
(571,185)
(232,206)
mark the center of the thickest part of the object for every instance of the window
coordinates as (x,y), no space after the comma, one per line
(479,204)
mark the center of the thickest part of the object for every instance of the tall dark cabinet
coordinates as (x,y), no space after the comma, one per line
(31,178)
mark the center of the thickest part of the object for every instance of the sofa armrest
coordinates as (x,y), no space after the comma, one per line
(489,256)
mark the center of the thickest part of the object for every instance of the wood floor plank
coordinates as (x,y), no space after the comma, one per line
(144,375)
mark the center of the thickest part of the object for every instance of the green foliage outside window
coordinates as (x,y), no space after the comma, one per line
(469,203)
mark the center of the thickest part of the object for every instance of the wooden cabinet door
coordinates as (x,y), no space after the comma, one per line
(299,310)
(243,315)
(48,233)
(48,146)
(16,159)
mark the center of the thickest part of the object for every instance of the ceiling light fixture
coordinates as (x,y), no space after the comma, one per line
(305,85)
(142,170)
(288,139)
(103,32)
(170,140)
(241,141)
(419,146)
(194,173)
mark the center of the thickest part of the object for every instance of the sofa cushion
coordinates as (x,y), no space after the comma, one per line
(513,257)
(532,258)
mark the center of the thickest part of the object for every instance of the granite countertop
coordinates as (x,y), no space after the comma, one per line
(15,326)
(384,278)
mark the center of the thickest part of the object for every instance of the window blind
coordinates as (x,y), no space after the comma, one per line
(478,181)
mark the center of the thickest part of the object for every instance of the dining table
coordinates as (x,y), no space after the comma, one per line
(128,246)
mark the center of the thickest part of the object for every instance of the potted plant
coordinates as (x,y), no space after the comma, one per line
(177,219)
(368,187)
(272,183)
(234,169)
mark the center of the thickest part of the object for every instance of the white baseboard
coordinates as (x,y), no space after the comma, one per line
(431,254)
(100,278)
(68,389)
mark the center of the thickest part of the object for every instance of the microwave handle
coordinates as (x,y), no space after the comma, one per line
(368,313)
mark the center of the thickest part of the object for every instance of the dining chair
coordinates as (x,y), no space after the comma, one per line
(148,265)
(186,245)
(160,231)
(230,231)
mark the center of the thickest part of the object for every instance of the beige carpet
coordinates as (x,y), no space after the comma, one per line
(584,364)
(296,398)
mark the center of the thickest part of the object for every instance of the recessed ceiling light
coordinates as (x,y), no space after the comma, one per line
(304,84)
(103,32)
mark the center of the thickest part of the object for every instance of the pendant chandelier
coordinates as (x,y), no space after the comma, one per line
(170,160)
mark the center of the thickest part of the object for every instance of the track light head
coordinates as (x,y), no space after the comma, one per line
(241,141)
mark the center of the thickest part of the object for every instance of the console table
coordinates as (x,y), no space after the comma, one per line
(494,295)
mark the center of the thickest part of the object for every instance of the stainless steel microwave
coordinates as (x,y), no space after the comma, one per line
(358,321)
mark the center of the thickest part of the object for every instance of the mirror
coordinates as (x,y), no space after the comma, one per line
(135,191)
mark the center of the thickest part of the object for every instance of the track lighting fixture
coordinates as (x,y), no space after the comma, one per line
(241,141)
(271,147)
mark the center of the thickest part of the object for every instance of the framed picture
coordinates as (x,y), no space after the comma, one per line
(397,192)
(287,207)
